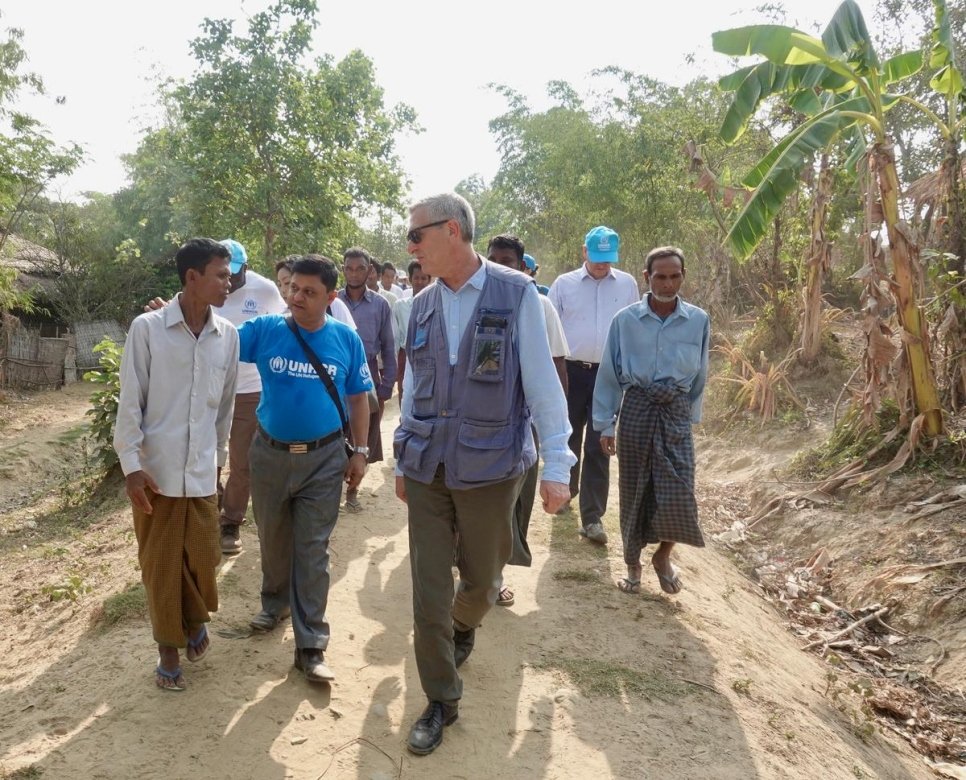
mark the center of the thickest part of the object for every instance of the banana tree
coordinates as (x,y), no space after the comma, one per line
(843,83)
(948,81)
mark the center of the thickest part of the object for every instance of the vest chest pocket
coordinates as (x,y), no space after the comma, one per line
(488,355)
(424,377)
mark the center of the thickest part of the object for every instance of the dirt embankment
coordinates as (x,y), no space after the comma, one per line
(576,680)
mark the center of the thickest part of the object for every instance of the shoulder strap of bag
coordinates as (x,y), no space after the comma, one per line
(320,370)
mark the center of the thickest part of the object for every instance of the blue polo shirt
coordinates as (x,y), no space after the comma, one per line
(295,405)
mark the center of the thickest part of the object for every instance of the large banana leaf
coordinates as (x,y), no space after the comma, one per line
(779,44)
(847,37)
(757,82)
(901,67)
(778,173)
(766,164)
(948,79)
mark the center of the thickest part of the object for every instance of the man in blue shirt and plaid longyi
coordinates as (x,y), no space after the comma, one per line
(650,386)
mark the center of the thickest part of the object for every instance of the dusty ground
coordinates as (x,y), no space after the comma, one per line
(574,681)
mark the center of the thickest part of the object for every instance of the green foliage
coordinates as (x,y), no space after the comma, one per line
(843,68)
(266,149)
(70,589)
(614,158)
(95,272)
(775,325)
(12,298)
(129,603)
(104,402)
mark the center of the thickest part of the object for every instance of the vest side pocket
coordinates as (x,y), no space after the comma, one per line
(410,443)
(485,453)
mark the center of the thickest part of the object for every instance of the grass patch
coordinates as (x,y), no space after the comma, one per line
(593,677)
(74,435)
(574,575)
(24,773)
(564,536)
(129,603)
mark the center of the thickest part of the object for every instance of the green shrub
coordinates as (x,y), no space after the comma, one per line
(104,402)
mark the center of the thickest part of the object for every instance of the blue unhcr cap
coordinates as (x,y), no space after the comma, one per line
(238,255)
(530,263)
(602,245)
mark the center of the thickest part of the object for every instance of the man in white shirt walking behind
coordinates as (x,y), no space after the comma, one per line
(178,374)
(587,300)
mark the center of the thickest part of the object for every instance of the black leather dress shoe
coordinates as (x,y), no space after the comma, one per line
(427,732)
(463,641)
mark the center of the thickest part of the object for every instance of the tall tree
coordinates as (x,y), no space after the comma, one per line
(280,154)
(29,158)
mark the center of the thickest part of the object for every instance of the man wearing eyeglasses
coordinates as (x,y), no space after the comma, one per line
(479,363)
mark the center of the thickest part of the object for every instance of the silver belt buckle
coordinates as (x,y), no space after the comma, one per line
(298,449)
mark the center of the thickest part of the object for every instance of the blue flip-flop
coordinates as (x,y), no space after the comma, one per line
(192,653)
(172,676)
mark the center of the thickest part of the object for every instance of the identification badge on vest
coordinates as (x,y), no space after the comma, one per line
(489,346)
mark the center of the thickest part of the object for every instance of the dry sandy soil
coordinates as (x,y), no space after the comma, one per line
(576,680)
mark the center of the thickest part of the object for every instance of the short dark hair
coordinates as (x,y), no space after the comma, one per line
(659,253)
(357,251)
(196,253)
(320,266)
(387,266)
(507,241)
(286,262)
(414,266)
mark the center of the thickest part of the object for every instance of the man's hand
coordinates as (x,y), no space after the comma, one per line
(155,303)
(355,470)
(609,445)
(135,483)
(554,495)
(401,489)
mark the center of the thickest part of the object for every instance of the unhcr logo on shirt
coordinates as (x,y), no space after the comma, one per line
(298,368)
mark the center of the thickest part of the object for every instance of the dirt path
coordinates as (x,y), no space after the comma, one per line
(574,681)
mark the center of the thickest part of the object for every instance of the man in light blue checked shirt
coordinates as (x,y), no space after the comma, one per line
(652,376)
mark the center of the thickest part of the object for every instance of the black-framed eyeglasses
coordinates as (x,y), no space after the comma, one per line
(415,235)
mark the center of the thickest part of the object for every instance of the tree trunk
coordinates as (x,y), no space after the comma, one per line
(952,332)
(818,266)
(905,264)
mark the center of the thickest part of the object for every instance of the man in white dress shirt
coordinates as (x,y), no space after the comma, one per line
(178,376)
(587,300)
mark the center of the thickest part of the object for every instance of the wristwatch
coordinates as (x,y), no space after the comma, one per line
(363,451)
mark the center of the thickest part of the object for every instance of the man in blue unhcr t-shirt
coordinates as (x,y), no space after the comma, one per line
(298,459)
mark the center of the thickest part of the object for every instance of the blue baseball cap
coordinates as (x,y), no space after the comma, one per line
(239,256)
(602,245)
(530,263)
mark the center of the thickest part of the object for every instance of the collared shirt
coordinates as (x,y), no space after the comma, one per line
(401,312)
(555,332)
(587,305)
(541,387)
(373,317)
(176,401)
(642,348)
